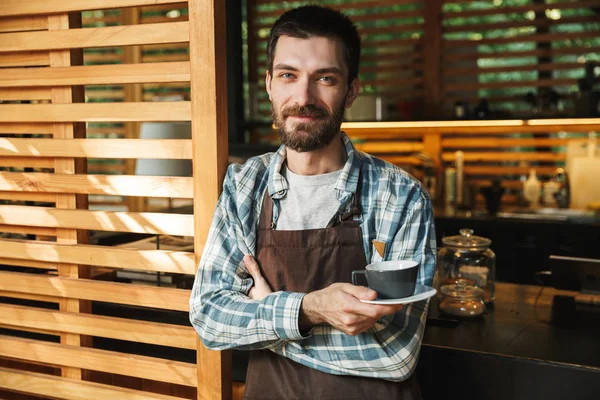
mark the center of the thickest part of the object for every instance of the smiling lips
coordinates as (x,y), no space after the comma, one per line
(308,112)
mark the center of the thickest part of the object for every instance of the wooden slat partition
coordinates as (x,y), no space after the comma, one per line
(531,52)
(498,149)
(51,169)
(392,57)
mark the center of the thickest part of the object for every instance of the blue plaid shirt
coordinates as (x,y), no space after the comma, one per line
(396,211)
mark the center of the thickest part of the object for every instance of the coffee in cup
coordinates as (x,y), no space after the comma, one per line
(390,279)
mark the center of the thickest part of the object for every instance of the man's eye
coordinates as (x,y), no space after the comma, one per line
(327,79)
(286,75)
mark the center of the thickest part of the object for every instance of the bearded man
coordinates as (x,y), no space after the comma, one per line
(291,226)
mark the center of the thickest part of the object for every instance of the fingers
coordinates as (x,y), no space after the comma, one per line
(261,288)
(360,292)
(252,267)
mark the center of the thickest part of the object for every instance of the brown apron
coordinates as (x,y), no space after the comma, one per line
(305,261)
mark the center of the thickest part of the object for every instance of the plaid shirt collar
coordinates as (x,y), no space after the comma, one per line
(345,185)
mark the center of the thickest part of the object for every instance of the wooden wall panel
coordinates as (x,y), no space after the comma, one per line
(59,181)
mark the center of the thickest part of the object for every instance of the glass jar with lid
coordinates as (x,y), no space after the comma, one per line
(462,300)
(467,258)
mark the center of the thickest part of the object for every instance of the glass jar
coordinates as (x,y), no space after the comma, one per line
(462,300)
(469,258)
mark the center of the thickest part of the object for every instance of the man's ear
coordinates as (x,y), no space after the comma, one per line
(268,83)
(352,92)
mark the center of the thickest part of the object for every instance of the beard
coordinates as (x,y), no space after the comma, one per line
(308,136)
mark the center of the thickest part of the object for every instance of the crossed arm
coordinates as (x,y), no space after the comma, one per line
(230,308)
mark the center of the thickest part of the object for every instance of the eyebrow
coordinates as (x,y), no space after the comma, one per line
(329,70)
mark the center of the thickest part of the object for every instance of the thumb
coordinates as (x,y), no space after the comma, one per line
(252,267)
(360,292)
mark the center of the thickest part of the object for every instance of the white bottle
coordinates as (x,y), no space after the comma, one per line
(531,189)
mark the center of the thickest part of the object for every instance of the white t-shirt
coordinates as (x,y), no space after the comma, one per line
(310,201)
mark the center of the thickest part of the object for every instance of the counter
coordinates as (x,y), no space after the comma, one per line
(513,351)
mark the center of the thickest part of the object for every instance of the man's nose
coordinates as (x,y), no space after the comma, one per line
(304,92)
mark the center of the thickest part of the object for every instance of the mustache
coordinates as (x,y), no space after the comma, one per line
(304,111)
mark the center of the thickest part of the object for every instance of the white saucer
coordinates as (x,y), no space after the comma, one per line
(422,292)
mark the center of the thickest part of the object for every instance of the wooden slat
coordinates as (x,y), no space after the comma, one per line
(33,7)
(158,369)
(493,142)
(26,230)
(28,263)
(111,292)
(461,87)
(389,147)
(531,67)
(104,130)
(96,37)
(506,156)
(522,9)
(29,296)
(12,94)
(105,19)
(481,27)
(33,23)
(146,260)
(402,160)
(98,148)
(183,337)
(34,330)
(163,111)
(477,127)
(27,196)
(177,57)
(450,44)
(118,185)
(506,170)
(24,162)
(155,223)
(458,56)
(28,59)
(69,389)
(26,128)
(96,75)
(104,58)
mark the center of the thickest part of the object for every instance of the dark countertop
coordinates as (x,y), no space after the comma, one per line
(513,328)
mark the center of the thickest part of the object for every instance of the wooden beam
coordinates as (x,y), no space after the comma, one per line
(25,59)
(25,162)
(155,223)
(111,292)
(179,149)
(107,112)
(209,140)
(30,93)
(432,54)
(389,147)
(96,75)
(182,337)
(116,185)
(35,7)
(19,24)
(506,156)
(179,373)
(95,37)
(69,389)
(145,260)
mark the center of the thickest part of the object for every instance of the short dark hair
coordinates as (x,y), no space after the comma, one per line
(309,21)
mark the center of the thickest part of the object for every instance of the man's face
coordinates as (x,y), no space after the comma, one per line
(309,91)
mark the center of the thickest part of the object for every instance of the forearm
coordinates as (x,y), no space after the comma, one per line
(227,319)
(387,351)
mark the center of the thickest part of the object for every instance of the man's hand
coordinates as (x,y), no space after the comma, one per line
(261,287)
(339,305)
